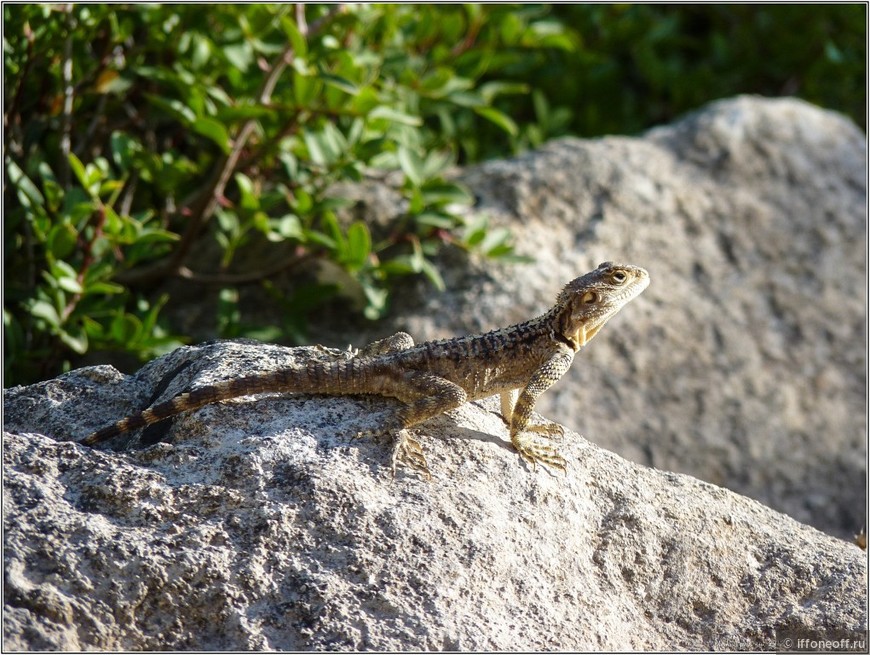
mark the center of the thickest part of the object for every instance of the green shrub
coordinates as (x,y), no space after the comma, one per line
(135,133)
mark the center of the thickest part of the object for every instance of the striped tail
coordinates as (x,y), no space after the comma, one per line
(334,378)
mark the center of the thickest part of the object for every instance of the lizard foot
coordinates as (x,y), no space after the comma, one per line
(549,430)
(408,451)
(533,452)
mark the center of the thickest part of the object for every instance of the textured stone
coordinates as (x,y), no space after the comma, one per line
(260,525)
(744,362)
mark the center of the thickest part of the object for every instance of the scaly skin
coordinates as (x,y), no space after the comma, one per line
(437,376)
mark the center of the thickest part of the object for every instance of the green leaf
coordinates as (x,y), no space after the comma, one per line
(496,238)
(340,83)
(104,288)
(359,245)
(242,112)
(376,300)
(443,193)
(431,272)
(149,321)
(173,107)
(286,227)
(467,99)
(432,219)
(75,337)
(491,90)
(326,146)
(65,276)
(305,87)
(400,265)
(412,165)
(61,240)
(248,199)
(28,193)
(498,118)
(329,223)
(303,201)
(395,116)
(228,313)
(319,238)
(78,170)
(213,130)
(300,47)
(227,220)
(46,311)
(475,231)
(240,55)
(54,194)
(69,284)
(124,148)
(124,327)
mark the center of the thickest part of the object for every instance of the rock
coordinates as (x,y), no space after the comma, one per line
(744,362)
(260,525)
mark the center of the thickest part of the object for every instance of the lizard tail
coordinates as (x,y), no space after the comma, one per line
(337,378)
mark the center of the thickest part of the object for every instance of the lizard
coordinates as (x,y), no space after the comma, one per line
(519,362)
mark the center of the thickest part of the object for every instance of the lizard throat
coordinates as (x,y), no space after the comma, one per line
(568,341)
(581,336)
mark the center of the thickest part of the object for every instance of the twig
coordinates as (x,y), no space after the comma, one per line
(129,191)
(68,90)
(242,278)
(87,260)
(13,116)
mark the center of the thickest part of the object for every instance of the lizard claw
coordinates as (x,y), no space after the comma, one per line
(549,430)
(408,451)
(534,452)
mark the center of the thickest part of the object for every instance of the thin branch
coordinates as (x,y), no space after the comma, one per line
(233,279)
(13,116)
(129,191)
(87,260)
(88,138)
(68,92)
(269,145)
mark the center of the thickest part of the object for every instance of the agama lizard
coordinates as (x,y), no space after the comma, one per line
(437,376)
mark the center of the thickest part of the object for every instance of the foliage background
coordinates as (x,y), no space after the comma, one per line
(139,137)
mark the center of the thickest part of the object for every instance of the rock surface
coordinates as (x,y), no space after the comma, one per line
(744,362)
(258,525)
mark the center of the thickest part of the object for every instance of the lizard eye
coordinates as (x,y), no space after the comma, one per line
(619,277)
(589,298)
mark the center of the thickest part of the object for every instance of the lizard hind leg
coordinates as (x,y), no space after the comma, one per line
(424,395)
(396,343)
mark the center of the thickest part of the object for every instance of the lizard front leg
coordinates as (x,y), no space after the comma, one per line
(508,399)
(546,376)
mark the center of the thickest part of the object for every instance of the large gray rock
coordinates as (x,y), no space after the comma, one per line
(744,362)
(258,525)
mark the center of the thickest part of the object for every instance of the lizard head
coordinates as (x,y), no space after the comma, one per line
(588,302)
